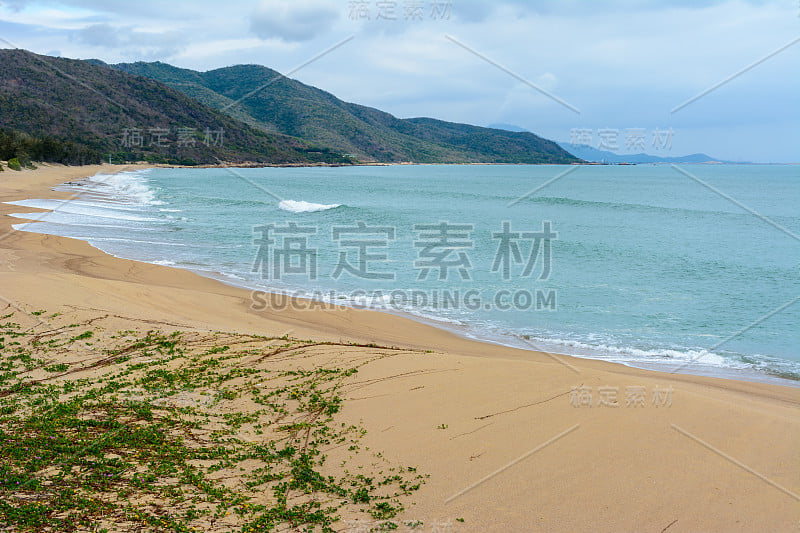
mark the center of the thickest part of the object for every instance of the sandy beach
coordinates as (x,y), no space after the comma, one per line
(511,440)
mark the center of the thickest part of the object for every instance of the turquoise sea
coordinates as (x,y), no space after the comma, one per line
(693,269)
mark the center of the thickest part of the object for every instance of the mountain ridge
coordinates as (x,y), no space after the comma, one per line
(293,108)
(105,111)
(143,111)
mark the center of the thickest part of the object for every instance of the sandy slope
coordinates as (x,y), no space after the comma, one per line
(497,429)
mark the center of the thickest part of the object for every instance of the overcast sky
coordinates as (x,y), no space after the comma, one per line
(601,71)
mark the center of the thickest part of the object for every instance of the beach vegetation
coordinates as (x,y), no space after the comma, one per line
(181,431)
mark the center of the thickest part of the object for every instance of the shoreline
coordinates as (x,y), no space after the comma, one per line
(626,462)
(509,340)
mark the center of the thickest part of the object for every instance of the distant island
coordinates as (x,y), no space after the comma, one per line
(594,155)
(86,111)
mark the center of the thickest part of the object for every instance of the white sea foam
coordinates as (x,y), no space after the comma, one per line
(300,206)
(130,188)
(91,239)
(59,210)
(628,354)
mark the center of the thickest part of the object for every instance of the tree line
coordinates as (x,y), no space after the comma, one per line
(26,148)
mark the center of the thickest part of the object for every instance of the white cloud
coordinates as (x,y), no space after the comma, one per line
(297,20)
(623,63)
(131,42)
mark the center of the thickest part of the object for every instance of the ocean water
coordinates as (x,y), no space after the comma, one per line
(693,271)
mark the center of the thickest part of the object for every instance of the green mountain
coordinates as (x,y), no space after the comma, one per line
(284,105)
(76,111)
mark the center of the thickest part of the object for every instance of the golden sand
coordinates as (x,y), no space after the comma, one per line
(507,435)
